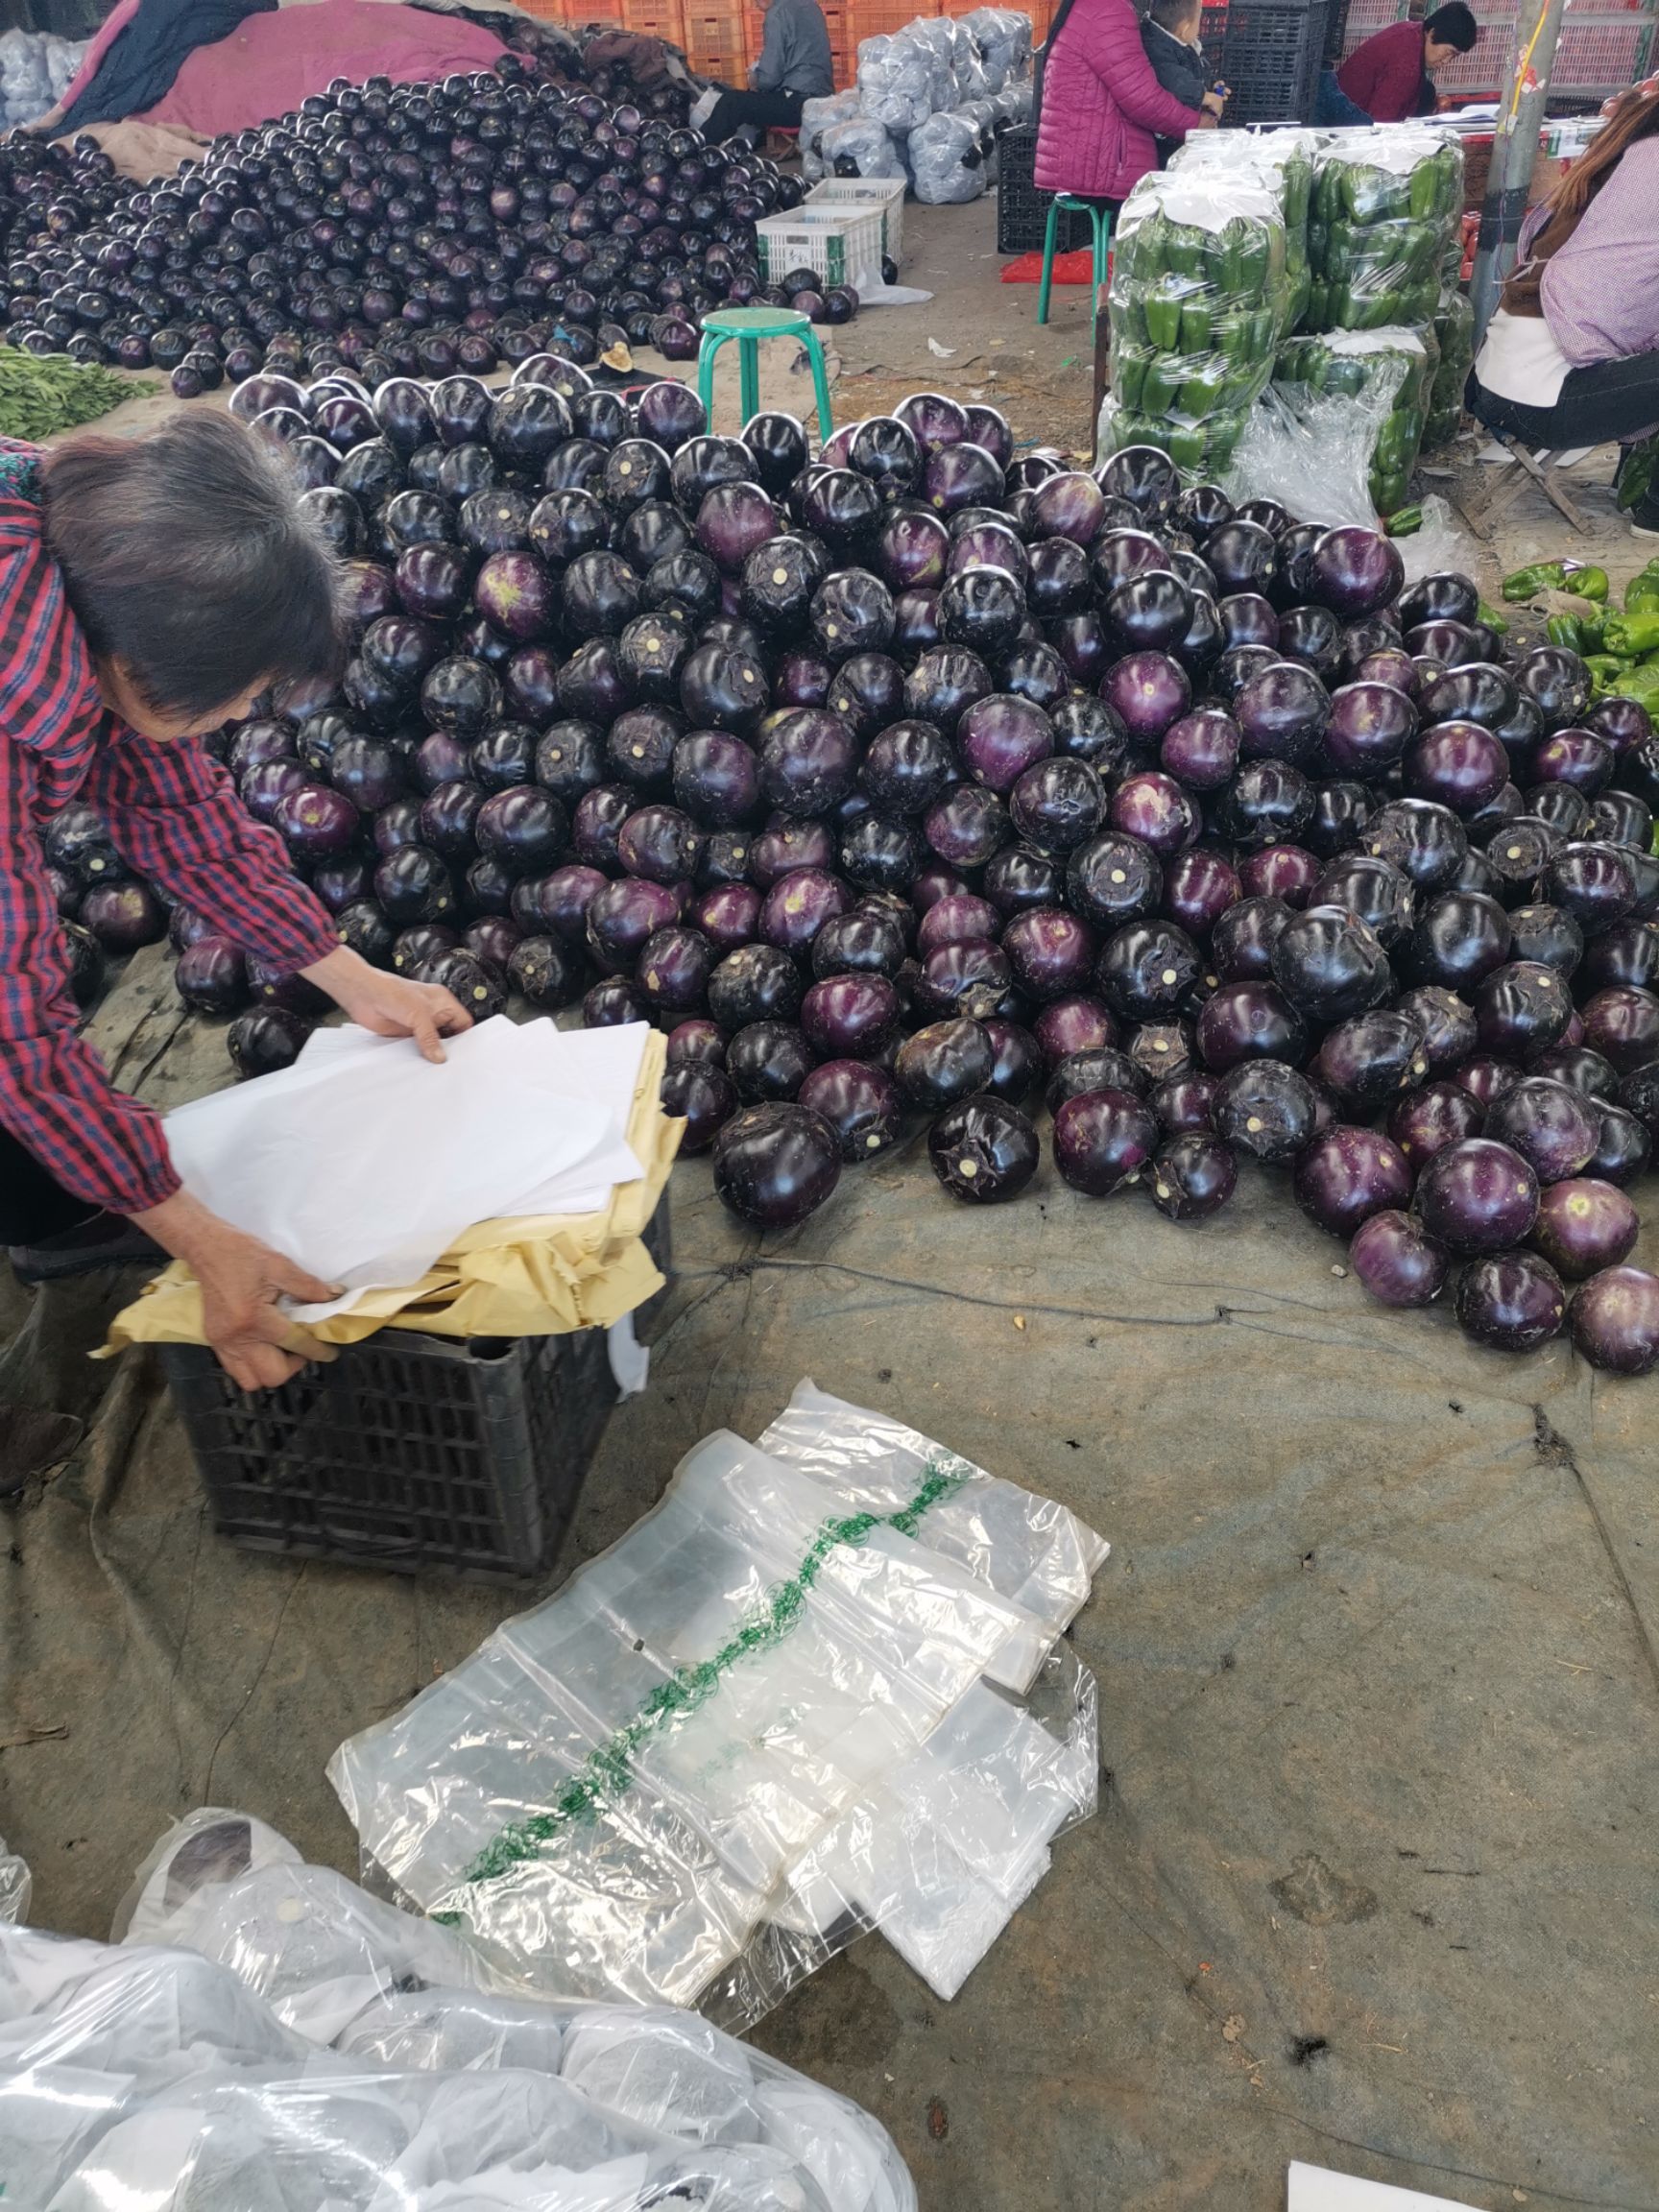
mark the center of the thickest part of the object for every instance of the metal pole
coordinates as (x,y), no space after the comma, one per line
(1537,28)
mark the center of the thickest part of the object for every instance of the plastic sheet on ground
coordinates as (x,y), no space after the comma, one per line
(617,1790)
(15,1884)
(284,2042)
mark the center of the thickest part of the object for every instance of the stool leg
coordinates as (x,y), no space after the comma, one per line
(713,341)
(749,377)
(1102,233)
(1048,260)
(821,386)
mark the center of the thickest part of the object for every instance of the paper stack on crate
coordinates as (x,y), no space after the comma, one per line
(504,1194)
(815,1691)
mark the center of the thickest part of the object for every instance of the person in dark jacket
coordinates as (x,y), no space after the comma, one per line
(1169,34)
(1389,77)
(795,65)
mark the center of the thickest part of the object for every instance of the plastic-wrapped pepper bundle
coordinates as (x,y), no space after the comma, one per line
(1385,203)
(1393,366)
(1283,163)
(1454,329)
(1199,300)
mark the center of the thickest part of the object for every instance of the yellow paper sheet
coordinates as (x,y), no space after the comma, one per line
(533,1275)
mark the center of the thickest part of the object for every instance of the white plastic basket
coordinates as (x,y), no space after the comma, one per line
(838,244)
(883,194)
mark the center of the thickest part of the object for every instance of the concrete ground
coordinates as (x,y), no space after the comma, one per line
(1372,1883)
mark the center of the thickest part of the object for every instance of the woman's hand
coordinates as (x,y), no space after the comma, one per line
(257,1343)
(1213,103)
(390,1005)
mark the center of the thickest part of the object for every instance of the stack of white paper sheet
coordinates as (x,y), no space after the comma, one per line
(362,1161)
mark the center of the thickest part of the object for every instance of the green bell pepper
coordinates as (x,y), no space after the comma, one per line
(1586,581)
(1494,621)
(1538,576)
(1642,593)
(1581,633)
(1129,365)
(1159,384)
(1604,668)
(1403,522)
(1630,635)
(1163,309)
(1187,249)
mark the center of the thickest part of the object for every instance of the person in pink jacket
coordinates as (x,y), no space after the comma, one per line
(1101,107)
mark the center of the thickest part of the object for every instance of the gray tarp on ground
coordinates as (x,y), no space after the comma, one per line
(1374,1881)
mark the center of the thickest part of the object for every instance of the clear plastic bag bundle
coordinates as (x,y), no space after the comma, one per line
(1391,368)
(902,81)
(817,116)
(35,68)
(949,156)
(1454,329)
(1386,203)
(859,146)
(1003,36)
(615,1790)
(152,2076)
(1200,299)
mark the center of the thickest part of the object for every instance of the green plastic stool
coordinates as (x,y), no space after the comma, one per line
(748,325)
(1100,219)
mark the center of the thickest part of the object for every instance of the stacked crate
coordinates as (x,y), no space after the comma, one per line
(721,38)
(1603,46)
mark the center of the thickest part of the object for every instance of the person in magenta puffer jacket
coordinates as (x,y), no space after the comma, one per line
(1102,106)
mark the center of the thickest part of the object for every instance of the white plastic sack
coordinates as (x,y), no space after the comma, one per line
(161,2070)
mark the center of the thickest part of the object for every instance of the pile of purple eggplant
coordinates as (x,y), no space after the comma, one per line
(923,784)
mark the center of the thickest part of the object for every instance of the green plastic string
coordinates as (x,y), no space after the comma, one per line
(609,1770)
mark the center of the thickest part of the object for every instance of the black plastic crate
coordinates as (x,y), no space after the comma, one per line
(1022,210)
(1270,54)
(408,1452)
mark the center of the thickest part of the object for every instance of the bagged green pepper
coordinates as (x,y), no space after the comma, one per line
(1387,208)
(1199,299)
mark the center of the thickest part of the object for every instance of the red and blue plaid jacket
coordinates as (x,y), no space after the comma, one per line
(174,816)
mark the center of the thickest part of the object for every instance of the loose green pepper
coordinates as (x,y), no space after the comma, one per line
(1540,576)
(1630,635)
(1567,631)
(1500,623)
(1588,583)
(1403,521)
(1642,593)
(1604,668)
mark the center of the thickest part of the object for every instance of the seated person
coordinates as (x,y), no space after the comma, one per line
(1388,78)
(1570,359)
(795,65)
(1098,104)
(1169,34)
